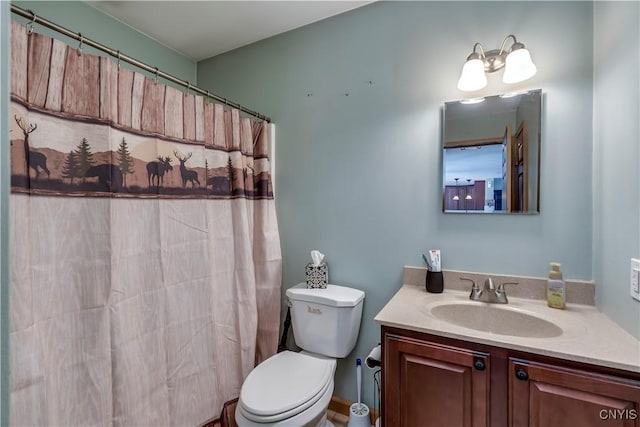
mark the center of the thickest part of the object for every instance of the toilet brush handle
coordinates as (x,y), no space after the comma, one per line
(359,379)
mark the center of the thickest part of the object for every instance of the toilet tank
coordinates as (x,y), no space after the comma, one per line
(326,321)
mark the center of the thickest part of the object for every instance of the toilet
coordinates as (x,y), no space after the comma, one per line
(293,389)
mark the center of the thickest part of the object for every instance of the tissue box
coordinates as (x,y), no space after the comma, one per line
(317,277)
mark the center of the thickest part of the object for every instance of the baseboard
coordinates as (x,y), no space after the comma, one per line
(340,405)
(343,406)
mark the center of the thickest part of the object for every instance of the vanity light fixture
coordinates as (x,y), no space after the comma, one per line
(516,61)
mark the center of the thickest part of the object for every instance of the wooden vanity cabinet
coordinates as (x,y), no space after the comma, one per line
(542,395)
(445,385)
(432,381)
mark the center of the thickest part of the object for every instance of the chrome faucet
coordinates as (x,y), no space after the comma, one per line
(489,293)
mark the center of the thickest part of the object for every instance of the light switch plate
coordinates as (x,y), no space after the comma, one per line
(635,278)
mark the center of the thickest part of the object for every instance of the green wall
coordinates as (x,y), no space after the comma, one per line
(359,177)
(616,158)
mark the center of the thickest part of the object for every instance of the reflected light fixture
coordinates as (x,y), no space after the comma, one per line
(468,196)
(516,61)
(456,197)
(472,100)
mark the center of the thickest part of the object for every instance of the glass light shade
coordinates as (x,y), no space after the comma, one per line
(468,197)
(456,198)
(518,67)
(472,77)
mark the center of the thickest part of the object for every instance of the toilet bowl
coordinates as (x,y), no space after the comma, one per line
(287,390)
(293,389)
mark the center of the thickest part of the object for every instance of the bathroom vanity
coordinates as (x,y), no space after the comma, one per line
(448,361)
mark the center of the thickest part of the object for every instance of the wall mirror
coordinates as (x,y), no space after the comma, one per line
(491,154)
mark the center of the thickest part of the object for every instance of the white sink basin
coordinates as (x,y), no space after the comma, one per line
(497,319)
(580,333)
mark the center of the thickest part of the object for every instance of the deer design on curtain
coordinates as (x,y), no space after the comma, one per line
(186,174)
(157,169)
(34,159)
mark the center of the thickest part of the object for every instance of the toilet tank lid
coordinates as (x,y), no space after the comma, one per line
(333,295)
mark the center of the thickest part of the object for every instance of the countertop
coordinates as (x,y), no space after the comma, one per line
(588,335)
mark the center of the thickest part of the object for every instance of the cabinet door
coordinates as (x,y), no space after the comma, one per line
(543,395)
(428,384)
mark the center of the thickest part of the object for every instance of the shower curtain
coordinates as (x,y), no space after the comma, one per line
(145,255)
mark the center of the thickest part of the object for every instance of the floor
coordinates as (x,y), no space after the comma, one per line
(338,420)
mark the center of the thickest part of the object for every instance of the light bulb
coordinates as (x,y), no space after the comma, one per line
(518,66)
(472,77)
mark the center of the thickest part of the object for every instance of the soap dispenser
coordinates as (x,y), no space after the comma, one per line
(556,288)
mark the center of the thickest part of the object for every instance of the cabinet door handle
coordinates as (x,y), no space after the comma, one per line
(521,374)
(479,365)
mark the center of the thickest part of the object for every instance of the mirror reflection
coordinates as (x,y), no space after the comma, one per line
(491,154)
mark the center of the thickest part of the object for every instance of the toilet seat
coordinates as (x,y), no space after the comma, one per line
(285,385)
(315,416)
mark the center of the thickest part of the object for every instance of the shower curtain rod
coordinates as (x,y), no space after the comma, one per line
(122,57)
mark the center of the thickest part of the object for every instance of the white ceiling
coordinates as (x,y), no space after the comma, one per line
(202,29)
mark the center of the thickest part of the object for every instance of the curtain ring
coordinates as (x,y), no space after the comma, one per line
(30,24)
(208,96)
(118,59)
(156,79)
(80,45)
(188,86)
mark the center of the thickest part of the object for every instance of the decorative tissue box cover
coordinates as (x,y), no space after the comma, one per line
(317,277)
